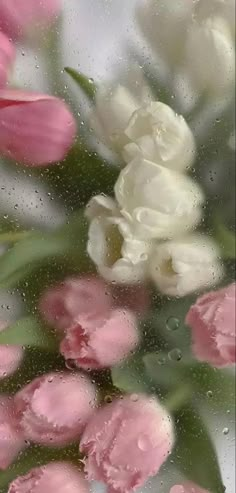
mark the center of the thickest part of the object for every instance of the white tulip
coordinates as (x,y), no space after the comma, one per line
(210,55)
(156,202)
(189,264)
(164,23)
(119,258)
(158,134)
(115,105)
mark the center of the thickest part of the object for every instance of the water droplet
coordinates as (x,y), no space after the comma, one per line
(134,397)
(143,443)
(226,431)
(209,393)
(161,359)
(172,323)
(70,364)
(175,355)
(108,399)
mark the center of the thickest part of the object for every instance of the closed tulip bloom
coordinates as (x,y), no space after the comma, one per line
(119,256)
(212,321)
(127,442)
(157,202)
(18,18)
(88,297)
(115,105)
(11,436)
(53,409)
(7,56)
(211,55)
(55,477)
(100,343)
(187,487)
(156,133)
(35,129)
(185,265)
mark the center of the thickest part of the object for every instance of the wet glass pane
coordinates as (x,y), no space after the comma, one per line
(117,246)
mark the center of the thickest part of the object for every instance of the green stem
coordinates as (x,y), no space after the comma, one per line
(177,399)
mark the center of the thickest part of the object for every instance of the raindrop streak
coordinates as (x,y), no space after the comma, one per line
(172,323)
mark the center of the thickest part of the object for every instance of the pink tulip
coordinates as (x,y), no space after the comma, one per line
(56,477)
(61,305)
(127,442)
(7,56)
(187,488)
(35,129)
(10,356)
(17,17)
(98,342)
(54,409)
(212,320)
(11,437)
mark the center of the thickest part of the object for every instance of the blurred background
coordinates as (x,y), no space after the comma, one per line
(97,37)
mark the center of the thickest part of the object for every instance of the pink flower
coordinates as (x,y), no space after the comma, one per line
(187,488)
(56,477)
(98,342)
(10,356)
(83,296)
(18,17)
(127,442)
(35,129)
(7,56)
(54,408)
(212,320)
(11,437)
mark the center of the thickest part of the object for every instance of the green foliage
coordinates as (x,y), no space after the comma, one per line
(29,332)
(85,84)
(194,452)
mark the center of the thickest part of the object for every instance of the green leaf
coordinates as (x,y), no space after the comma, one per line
(29,332)
(85,84)
(214,386)
(162,371)
(194,452)
(130,376)
(22,258)
(226,240)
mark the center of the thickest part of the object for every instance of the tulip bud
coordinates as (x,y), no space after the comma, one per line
(157,202)
(185,265)
(156,133)
(7,55)
(118,256)
(17,18)
(34,129)
(114,107)
(53,409)
(212,320)
(211,55)
(88,297)
(11,437)
(100,343)
(126,442)
(56,477)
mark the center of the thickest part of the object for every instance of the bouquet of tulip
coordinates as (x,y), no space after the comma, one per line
(126,334)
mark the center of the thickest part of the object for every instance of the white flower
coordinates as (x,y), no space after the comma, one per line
(115,105)
(158,134)
(164,23)
(186,265)
(119,258)
(211,55)
(157,202)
